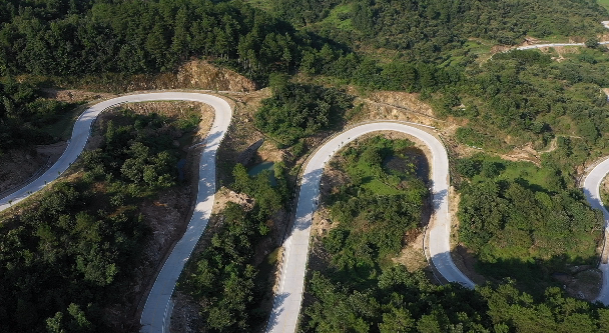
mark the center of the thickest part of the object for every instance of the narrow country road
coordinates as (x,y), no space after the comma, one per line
(288,297)
(592,185)
(157,306)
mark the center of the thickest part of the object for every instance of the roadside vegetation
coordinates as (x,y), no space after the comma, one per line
(382,200)
(71,254)
(360,289)
(296,111)
(524,223)
(25,115)
(224,279)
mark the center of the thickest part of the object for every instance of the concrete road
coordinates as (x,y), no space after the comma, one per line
(157,306)
(592,185)
(288,298)
(538,46)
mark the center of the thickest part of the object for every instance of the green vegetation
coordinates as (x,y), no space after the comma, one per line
(382,201)
(399,301)
(296,111)
(361,290)
(71,38)
(522,222)
(68,257)
(25,116)
(223,278)
(604,3)
(72,252)
(134,156)
(529,97)
(431,29)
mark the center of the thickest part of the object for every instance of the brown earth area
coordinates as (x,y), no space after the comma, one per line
(195,74)
(20,166)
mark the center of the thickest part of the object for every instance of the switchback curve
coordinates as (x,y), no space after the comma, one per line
(158,303)
(288,299)
(289,294)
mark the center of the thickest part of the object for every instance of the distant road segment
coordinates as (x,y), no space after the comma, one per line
(288,297)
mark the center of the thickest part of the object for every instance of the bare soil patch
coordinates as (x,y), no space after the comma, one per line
(583,282)
(75,96)
(394,106)
(20,166)
(195,74)
(412,255)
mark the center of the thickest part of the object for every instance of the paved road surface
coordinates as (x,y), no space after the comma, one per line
(158,302)
(592,185)
(288,299)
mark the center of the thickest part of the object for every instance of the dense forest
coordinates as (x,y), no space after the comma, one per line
(296,111)
(399,301)
(523,222)
(71,38)
(429,29)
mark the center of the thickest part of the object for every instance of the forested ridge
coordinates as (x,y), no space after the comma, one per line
(424,28)
(70,38)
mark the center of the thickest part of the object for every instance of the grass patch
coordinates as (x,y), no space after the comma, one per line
(340,17)
(604,3)
(265,5)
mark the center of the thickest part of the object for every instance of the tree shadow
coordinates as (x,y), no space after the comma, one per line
(278,308)
(536,275)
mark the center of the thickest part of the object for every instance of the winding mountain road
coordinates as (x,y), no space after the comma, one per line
(288,297)
(592,185)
